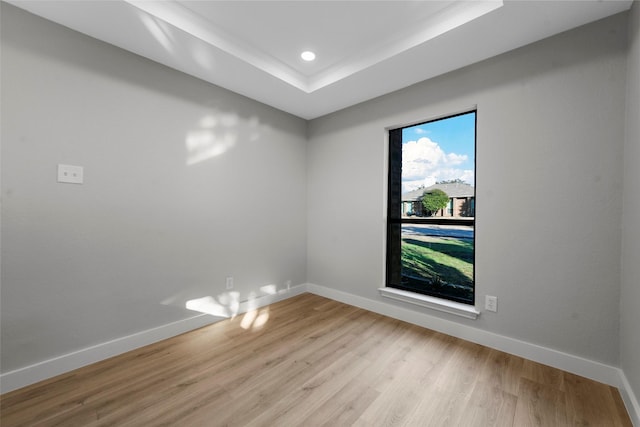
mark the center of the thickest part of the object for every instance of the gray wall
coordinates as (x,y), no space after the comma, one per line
(549,187)
(630,296)
(185,184)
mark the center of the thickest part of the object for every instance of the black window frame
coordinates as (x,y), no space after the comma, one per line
(395,218)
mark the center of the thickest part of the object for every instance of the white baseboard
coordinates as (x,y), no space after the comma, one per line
(630,399)
(567,362)
(59,365)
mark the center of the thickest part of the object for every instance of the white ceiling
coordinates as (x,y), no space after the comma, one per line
(364,48)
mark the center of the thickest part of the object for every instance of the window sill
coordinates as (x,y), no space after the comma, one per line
(433,303)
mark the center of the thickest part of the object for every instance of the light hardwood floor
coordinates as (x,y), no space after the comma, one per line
(310,361)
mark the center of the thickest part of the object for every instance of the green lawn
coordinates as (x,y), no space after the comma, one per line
(440,259)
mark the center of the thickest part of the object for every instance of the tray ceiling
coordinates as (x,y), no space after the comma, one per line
(364,48)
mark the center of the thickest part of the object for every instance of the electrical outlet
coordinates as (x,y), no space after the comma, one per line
(491,303)
(229,283)
(288,284)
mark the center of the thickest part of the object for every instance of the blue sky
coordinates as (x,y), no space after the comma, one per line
(437,151)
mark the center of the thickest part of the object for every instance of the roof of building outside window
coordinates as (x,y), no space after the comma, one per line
(453,190)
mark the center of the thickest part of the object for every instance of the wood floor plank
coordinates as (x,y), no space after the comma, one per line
(589,402)
(489,405)
(344,407)
(542,374)
(461,369)
(620,412)
(395,362)
(438,408)
(311,361)
(540,405)
(313,393)
(503,371)
(394,405)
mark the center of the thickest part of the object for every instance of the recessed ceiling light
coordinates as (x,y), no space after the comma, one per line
(307,55)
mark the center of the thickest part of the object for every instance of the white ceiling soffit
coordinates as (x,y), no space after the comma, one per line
(364,48)
(206,20)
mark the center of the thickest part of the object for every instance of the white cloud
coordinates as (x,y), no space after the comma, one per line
(424,163)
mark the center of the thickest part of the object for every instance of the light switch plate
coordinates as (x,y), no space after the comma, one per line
(70,174)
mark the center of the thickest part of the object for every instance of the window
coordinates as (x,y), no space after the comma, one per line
(431,208)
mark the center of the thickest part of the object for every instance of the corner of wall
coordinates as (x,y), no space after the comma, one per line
(629,398)
(630,243)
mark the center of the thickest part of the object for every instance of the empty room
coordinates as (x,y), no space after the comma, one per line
(308,213)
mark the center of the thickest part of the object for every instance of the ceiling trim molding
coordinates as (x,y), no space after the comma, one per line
(193,24)
(451,17)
